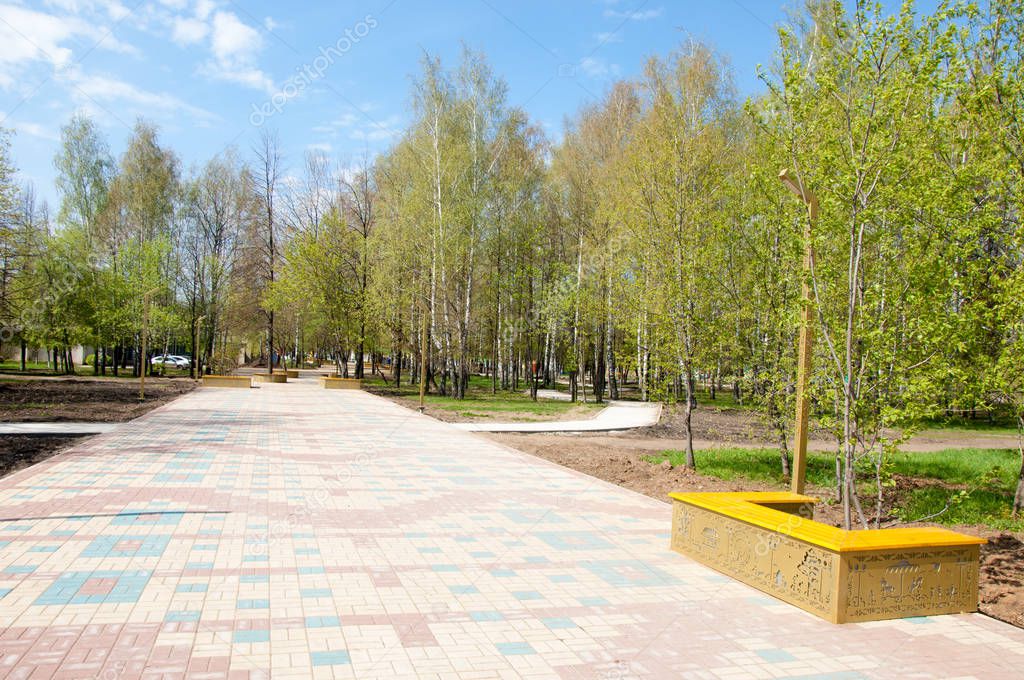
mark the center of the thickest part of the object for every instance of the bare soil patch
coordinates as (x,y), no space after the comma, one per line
(85,400)
(725,425)
(21,451)
(92,400)
(620,459)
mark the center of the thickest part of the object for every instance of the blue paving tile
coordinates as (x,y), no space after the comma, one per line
(322,621)
(558,623)
(189,616)
(464,590)
(251,636)
(515,648)
(315,592)
(335,658)
(487,616)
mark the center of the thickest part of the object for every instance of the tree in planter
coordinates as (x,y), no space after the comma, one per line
(992,109)
(859,95)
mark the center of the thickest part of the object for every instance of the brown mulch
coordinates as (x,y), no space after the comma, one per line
(1002,559)
(85,400)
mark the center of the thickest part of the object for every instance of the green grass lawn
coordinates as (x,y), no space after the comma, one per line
(44,369)
(479,401)
(988,476)
(481,405)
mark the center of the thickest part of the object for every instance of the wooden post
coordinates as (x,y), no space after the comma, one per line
(806,352)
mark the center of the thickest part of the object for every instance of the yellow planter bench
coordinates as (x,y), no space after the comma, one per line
(341,383)
(770,541)
(227,381)
(291,373)
(273,378)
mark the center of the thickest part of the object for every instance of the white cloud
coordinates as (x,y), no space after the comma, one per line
(28,36)
(186,31)
(359,125)
(176,5)
(645,15)
(34,130)
(608,38)
(595,67)
(203,9)
(233,40)
(123,97)
(117,11)
(235,46)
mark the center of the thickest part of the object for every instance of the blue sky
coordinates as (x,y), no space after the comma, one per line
(332,76)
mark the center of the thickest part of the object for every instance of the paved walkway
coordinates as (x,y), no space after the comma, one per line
(293,532)
(618,415)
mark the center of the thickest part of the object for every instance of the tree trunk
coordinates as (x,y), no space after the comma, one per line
(691,461)
(1018,497)
(361,352)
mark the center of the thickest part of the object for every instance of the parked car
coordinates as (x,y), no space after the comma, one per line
(171,360)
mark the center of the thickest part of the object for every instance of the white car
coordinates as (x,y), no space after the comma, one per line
(171,360)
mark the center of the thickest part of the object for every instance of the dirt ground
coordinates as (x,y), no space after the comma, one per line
(93,400)
(85,400)
(20,451)
(619,459)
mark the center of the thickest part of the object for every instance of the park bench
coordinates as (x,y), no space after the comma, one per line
(290,372)
(769,540)
(333,383)
(227,381)
(272,378)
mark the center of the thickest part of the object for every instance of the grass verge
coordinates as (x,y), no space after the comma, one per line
(480,402)
(977,484)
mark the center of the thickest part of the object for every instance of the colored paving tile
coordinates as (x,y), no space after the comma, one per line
(289,531)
